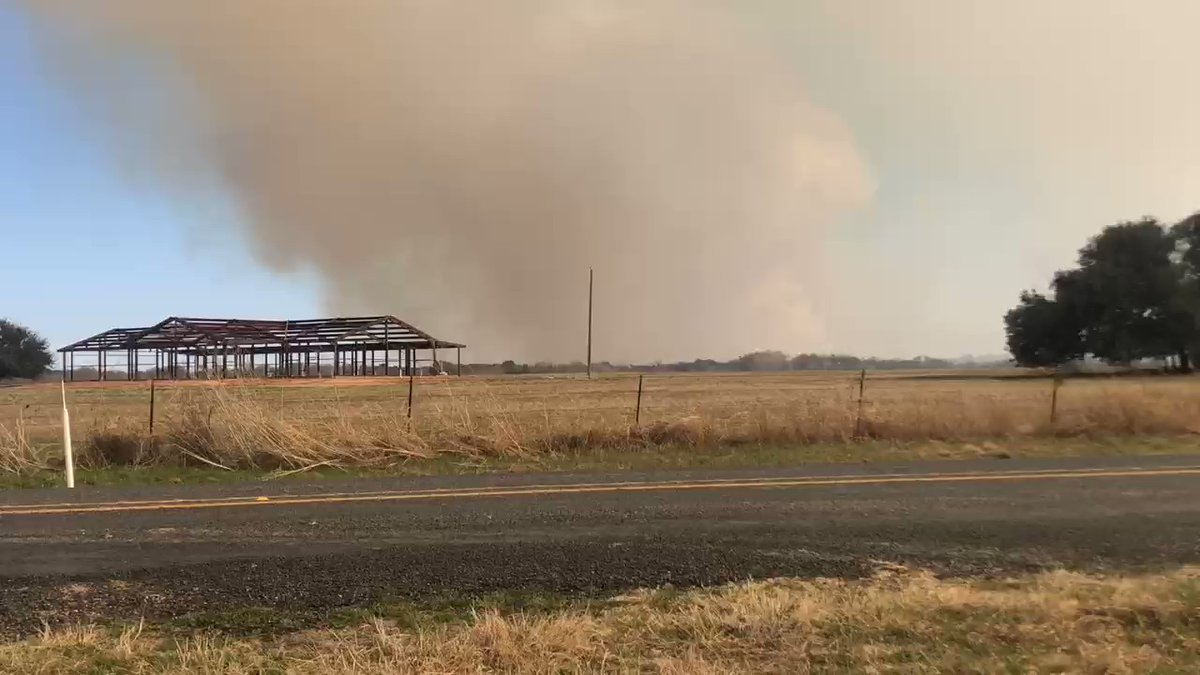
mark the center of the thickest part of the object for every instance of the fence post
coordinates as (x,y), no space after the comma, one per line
(637,415)
(1054,399)
(858,420)
(68,452)
(152,408)
(410,394)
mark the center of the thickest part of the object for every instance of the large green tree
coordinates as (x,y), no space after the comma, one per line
(1187,251)
(1134,295)
(23,353)
(1040,332)
(1136,303)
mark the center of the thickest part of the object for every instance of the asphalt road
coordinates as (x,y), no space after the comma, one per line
(163,552)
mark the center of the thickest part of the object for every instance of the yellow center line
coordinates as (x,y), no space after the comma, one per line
(530,490)
(13,508)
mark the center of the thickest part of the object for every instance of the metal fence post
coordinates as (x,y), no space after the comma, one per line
(411,379)
(151,407)
(637,415)
(858,421)
(1054,399)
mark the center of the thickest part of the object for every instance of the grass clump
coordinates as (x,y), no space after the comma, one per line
(897,622)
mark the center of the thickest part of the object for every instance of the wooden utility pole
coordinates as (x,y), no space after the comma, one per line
(591,284)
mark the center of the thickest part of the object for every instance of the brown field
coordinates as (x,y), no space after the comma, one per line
(293,425)
(899,622)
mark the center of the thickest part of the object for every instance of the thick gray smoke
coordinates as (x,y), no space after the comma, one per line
(462,164)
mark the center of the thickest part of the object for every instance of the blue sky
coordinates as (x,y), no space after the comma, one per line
(84,249)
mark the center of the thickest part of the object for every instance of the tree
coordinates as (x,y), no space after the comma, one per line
(1137,307)
(23,353)
(1132,297)
(1042,332)
(1187,249)
(763,360)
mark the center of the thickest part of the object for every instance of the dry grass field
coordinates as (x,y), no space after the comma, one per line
(353,422)
(898,622)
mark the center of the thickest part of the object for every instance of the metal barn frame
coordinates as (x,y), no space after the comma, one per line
(186,348)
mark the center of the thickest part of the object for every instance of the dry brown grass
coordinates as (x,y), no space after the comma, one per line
(896,623)
(363,423)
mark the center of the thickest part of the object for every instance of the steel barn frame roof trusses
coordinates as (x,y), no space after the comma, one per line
(191,347)
(202,336)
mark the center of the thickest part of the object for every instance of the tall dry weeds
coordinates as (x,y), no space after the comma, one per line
(256,424)
(17,453)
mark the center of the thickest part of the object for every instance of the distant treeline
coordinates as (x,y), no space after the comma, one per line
(762,361)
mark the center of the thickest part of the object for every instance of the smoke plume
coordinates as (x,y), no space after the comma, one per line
(463,164)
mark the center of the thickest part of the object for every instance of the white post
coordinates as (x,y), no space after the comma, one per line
(68,455)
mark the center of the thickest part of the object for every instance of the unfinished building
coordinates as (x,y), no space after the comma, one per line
(188,348)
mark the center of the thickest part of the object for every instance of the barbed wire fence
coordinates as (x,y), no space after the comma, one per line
(634,400)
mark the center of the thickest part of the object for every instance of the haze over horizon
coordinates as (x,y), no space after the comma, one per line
(860,177)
